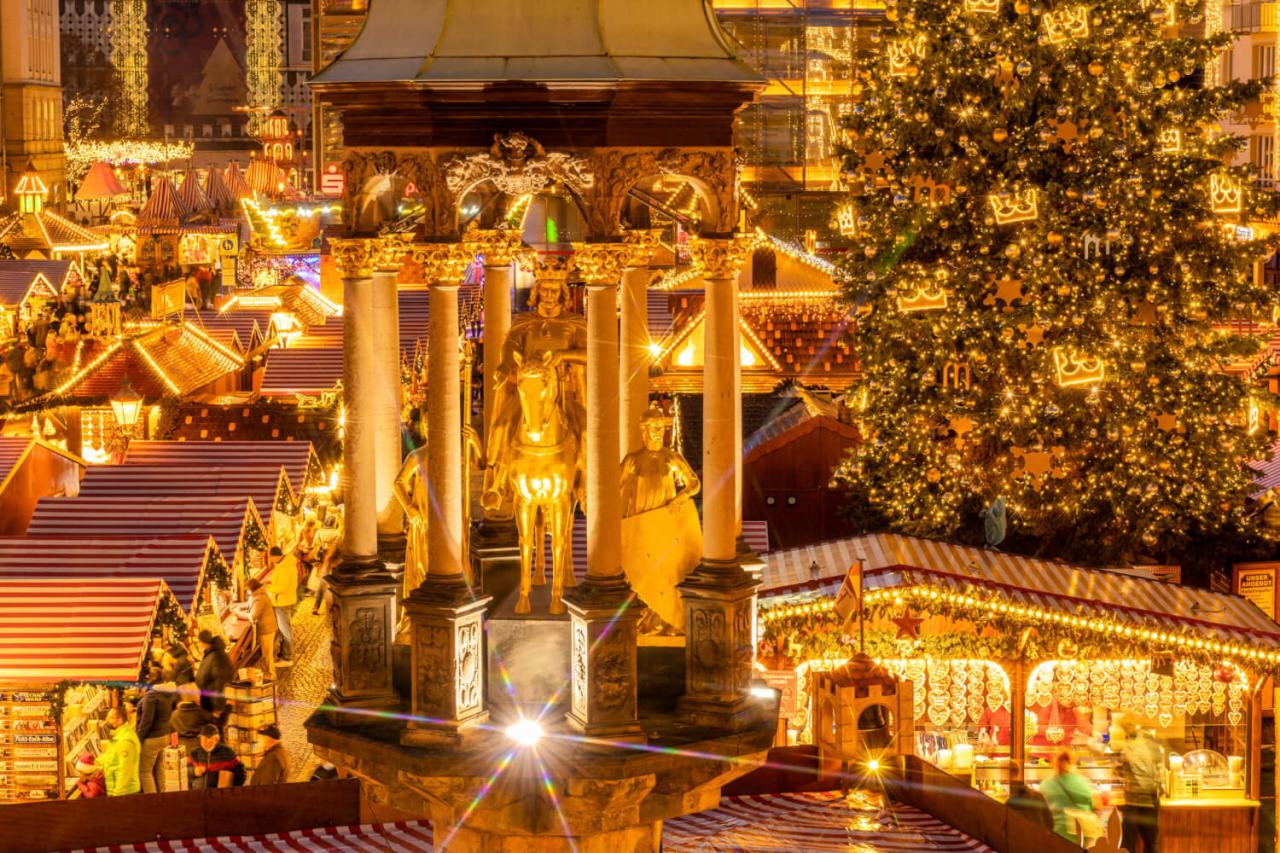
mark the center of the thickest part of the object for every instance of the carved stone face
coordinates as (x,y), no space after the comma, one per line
(550,297)
(653,433)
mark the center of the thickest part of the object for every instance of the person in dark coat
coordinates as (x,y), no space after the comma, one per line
(273,769)
(152,724)
(215,672)
(188,718)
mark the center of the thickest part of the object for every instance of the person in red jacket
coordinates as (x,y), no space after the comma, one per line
(91,782)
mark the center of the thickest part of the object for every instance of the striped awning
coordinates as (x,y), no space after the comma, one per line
(301,371)
(262,483)
(1268,471)
(177,560)
(814,823)
(79,628)
(297,458)
(380,837)
(895,561)
(12,449)
(224,518)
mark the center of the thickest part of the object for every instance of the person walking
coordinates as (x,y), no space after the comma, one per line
(1141,766)
(152,724)
(215,672)
(283,585)
(263,615)
(213,763)
(1072,799)
(273,768)
(119,761)
(177,665)
(188,718)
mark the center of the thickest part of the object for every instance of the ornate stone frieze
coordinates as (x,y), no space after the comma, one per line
(517,165)
(617,171)
(390,252)
(442,263)
(498,246)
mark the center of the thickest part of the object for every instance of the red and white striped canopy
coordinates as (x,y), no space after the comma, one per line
(380,837)
(79,628)
(262,483)
(777,822)
(12,450)
(812,822)
(177,560)
(302,370)
(893,560)
(296,457)
(226,519)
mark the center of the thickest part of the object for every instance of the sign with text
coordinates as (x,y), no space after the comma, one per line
(332,181)
(1257,583)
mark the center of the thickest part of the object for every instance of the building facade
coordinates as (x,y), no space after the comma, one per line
(31,96)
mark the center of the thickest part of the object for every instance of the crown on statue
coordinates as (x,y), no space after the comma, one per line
(923,299)
(1074,369)
(1066,24)
(1021,206)
(847,220)
(1225,194)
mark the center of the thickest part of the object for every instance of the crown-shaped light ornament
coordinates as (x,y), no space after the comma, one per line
(1021,206)
(982,7)
(847,220)
(1225,194)
(923,298)
(1075,370)
(1067,24)
(1169,140)
(903,54)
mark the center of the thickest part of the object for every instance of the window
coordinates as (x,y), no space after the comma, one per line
(1264,60)
(1262,155)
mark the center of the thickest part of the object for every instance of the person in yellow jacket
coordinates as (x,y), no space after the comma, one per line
(119,761)
(282,586)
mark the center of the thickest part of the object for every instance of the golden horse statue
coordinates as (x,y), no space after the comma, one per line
(543,472)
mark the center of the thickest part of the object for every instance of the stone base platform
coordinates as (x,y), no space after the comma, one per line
(489,794)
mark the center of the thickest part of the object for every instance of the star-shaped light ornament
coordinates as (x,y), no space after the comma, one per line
(908,626)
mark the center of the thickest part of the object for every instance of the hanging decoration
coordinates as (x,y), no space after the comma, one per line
(1075,370)
(1067,24)
(923,298)
(1225,194)
(1012,207)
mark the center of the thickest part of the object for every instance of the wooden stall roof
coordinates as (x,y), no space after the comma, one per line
(77,628)
(297,458)
(226,519)
(808,413)
(896,561)
(404,836)
(15,448)
(17,278)
(163,361)
(252,326)
(264,483)
(301,371)
(46,231)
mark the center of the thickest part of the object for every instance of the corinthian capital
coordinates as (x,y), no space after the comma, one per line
(354,257)
(721,257)
(499,246)
(391,251)
(442,263)
(601,264)
(643,242)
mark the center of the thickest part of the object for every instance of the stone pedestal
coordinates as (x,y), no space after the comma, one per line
(602,684)
(363,618)
(719,607)
(494,555)
(529,659)
(447,643)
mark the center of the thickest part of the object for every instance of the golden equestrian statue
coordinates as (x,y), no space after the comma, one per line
(661,533)
(535,451)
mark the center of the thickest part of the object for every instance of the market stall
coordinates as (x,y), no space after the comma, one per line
(67,647)
(1014,659)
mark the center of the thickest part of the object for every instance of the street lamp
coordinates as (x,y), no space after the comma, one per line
(126,406)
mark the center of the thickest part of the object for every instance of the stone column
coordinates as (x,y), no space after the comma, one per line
(719,596)
(389,393)
(634,351)
(364,592)
(494,542)
(446,620)
(603,610)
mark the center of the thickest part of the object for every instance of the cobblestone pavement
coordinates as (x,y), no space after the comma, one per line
(303,686)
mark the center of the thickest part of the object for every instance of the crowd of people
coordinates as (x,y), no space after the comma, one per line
(48,335)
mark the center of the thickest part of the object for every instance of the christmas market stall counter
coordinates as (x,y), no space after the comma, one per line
(69,648)
(1013,660)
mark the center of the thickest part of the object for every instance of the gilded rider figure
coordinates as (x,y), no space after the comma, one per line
(547,333)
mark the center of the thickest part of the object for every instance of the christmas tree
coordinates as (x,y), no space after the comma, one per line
(1045,246)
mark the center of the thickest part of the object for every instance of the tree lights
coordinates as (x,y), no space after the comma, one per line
(1079,166)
